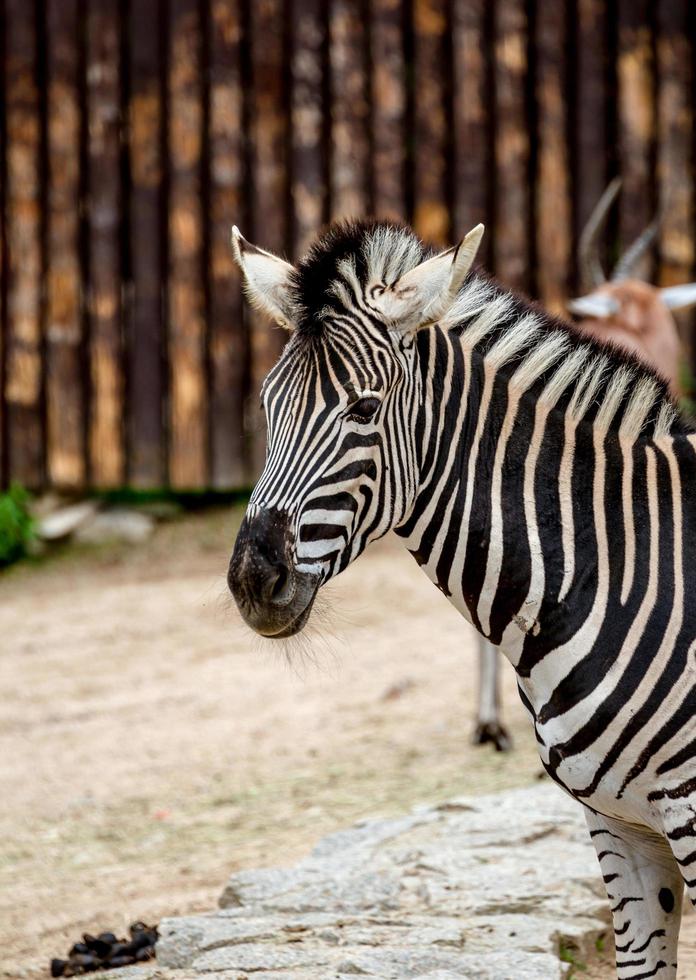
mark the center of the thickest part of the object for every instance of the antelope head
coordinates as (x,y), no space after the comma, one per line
(623,308)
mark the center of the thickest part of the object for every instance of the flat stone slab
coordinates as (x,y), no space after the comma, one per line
(481,887)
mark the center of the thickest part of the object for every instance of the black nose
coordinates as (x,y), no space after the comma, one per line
(277,580)
(260,569)
(269,578)
(274,597)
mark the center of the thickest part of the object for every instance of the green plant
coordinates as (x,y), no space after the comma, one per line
(16,525)
(568,953)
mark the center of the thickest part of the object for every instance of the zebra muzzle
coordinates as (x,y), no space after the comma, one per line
(272,595)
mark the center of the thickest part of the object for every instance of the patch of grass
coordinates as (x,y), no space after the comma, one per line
(568,953)
(16,525)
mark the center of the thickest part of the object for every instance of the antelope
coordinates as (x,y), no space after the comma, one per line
(622,310)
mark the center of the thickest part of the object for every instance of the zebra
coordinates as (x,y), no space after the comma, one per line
(543,481)
(628,311)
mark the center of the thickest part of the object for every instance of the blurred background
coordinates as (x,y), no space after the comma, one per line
(133,134)
(148,744)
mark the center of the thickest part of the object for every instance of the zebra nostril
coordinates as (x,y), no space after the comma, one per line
(277,582)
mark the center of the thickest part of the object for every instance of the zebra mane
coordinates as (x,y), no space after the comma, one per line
(593,378)
(375,251)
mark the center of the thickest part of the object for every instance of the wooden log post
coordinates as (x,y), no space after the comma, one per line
(269,202)
(106,428)
(146,312)
(350,145)
(512,220)
(471,163)
(636,122)
(431,206)
(675,153)
(309,191)
(3,257)
(228,342)
(188,464)
(591,140)
(23,367)
(553,220)
(65,408)
(388,104)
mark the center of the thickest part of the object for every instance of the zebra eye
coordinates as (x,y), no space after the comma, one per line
(364,408)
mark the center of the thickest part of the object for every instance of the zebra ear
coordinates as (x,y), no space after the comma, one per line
(266,280)
(425,294)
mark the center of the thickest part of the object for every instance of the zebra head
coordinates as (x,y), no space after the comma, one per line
(342,408)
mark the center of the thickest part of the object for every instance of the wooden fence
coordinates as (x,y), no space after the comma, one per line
(133,134)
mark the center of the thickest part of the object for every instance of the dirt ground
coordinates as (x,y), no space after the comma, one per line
(150,745)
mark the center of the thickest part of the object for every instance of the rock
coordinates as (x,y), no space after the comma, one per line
(480,887)
(139,973)
(47,503)
(161,510)
(118,524)
(61,523)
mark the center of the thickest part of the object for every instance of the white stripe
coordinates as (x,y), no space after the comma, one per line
(495,538)
(629,526)
(565,490)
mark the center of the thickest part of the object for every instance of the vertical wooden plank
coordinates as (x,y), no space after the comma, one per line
(674,148)
(512,221)
(186,321)
(269,192)
(307,126)
(388,103)
(591,94)
(350,160)
(146,345)
(64,383)
(675,152)
(23,387)
(553,221)
(106,450)
(3,253)
(636,122)
(227,335)
(431,213)
(471,119)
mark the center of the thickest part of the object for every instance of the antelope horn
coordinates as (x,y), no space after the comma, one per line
(591,272)
(679,297)
(626,264)
(597,305)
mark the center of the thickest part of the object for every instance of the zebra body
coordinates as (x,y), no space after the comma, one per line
(544,483)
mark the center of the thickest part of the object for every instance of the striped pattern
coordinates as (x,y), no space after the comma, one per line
(545,484)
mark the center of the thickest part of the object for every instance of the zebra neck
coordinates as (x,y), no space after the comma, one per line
(529,518)
(473,527)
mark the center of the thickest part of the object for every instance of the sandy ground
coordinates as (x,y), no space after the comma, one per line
(150,745)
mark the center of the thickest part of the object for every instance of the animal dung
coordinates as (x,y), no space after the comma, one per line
(107,952)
